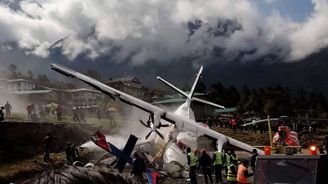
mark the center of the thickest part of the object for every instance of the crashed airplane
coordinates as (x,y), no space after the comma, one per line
(184,130)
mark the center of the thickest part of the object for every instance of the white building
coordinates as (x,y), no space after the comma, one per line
(17,85)
(85,97)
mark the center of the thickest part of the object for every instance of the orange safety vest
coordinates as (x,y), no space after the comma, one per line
(241,178)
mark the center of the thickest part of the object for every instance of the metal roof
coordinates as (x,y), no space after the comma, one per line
(226,110)
(85,89)
(31,92)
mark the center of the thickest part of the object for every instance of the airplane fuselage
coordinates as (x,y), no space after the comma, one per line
(184,110)
(174,157)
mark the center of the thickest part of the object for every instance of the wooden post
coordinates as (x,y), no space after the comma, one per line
(270,131)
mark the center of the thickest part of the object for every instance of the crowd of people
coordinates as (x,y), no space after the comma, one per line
(236,123)
(227,162)
(78,114)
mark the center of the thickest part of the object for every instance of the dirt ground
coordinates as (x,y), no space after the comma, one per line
(14,171)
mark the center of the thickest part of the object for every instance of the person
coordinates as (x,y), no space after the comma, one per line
(253,159)
(192,166)
(2,116)
(232,172)
(34,115)
(226,160)
(325,143)
(47,145)
(138,168)
(233,155)
(75,153)
(52,109)
(29,111)
(98,114)
(75,115)
(76,174)
(205,163)
(41,112)
(59,112)
(242,173)
(68,152)
(82,112)
(8,109)
(233,124)
(218,159)
(110,117)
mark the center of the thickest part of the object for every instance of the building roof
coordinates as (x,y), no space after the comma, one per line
(124,79)
(3,79)
(18,80)
(226,110)
(31,92)
(84,89)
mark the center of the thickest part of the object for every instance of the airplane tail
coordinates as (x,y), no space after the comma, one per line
(190,97)
(123,156)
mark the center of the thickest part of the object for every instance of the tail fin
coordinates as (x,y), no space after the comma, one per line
(129,146)
(123,156)
(192,91)
(190,96)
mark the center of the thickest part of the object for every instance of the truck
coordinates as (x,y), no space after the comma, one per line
(291,169)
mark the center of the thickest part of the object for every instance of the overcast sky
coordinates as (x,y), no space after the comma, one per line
(157,30)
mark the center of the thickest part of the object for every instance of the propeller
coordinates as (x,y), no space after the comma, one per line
(153,125)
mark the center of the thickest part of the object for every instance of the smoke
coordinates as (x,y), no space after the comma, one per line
(131,125)
(144,30)
(17,103)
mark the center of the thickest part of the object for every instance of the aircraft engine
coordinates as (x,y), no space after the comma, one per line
(153,123)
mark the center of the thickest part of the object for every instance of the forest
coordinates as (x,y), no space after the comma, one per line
(274,101)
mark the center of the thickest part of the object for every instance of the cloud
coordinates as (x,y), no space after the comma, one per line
(272,1)
(312,35)
(143,30)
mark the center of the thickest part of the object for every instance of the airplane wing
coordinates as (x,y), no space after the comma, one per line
(259,121)
(181,123)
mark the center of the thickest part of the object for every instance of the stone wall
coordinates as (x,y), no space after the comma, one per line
(20,140)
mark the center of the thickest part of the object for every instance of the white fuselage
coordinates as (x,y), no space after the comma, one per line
(174,157)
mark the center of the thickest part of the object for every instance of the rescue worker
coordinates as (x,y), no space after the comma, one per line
(232,172)
(192,166)
(233,155)
(205,163)
(138,168)
(253,159)
(242,173)
(218,159)
(226,160)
